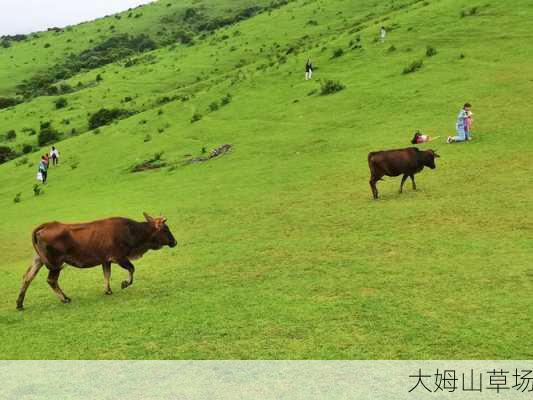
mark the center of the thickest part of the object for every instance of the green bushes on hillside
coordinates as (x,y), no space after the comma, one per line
(6,154)
(6,102)
(10,135)
(61,103)
(105,116)
(47,134)
(329,87)
(413,67)
(110,50)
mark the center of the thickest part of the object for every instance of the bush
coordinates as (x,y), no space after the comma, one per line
(6,154)
(11,135)
(225,100)
(47,135)
(413,67)
(27,148)
(337,53)
(17,198)
(213,106)
(37,191)
(21,161)
(196,117)
(105,116)
(29,131)
(6,102)
(431,51)
(61,103)
(330,87)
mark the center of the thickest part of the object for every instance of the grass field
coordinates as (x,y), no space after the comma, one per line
(282,253)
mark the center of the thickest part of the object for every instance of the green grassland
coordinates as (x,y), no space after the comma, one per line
(282,253)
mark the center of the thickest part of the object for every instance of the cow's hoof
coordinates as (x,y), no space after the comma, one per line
(124,284)
(109,292)
(66,300)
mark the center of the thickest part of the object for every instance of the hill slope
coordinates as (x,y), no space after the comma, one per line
(282,253)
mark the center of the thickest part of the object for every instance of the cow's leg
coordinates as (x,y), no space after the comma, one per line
(27,278)
(404,178)
(53,276)
(413,180)
(374,187)
(107,274)
(127,265)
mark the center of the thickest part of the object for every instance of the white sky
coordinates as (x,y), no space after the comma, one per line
(25,16)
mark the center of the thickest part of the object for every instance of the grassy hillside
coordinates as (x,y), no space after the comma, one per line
(282,253)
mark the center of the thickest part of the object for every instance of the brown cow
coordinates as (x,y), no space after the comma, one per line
(407,161)
(112,240)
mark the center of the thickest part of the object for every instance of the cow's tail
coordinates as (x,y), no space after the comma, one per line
(35,242)
(371,165)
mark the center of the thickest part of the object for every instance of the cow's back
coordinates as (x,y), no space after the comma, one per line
(393,162)
(82,244)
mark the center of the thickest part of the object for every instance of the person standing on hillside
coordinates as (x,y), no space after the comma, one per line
(461,125)
(54,154)
(308,69)
(43,168)
(382,34)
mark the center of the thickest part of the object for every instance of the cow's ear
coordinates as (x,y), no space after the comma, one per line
(147,217)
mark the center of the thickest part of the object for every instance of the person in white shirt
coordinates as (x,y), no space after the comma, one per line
(54,155)
(382,34)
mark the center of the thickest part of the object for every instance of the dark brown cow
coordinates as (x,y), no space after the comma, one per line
(112,240)
(397,162)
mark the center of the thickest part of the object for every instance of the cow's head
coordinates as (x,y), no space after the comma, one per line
(162,235)
(430,158)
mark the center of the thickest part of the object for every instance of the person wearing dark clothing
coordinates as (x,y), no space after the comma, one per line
(43,168)
(308,70)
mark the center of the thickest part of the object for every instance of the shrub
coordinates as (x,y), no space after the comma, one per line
(61,103)
(27,148)
(431,51)
(17,198)
(225,100)
(47,134)
(6,154)
(337,53)
(21,161)
(105,116)
(330,87)
(413,67)
(99,78)
(29,131)
(11,135)
(391,49)
(196,117)
(37,191)
(213,106)
(6,102)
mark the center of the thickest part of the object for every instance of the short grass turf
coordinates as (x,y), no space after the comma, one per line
(282,252)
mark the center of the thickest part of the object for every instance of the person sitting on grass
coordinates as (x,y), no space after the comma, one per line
(421,138)
(461,125)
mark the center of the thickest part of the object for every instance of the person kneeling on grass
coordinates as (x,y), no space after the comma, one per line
(461,126)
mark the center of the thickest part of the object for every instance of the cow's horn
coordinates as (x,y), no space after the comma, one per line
(148,218)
